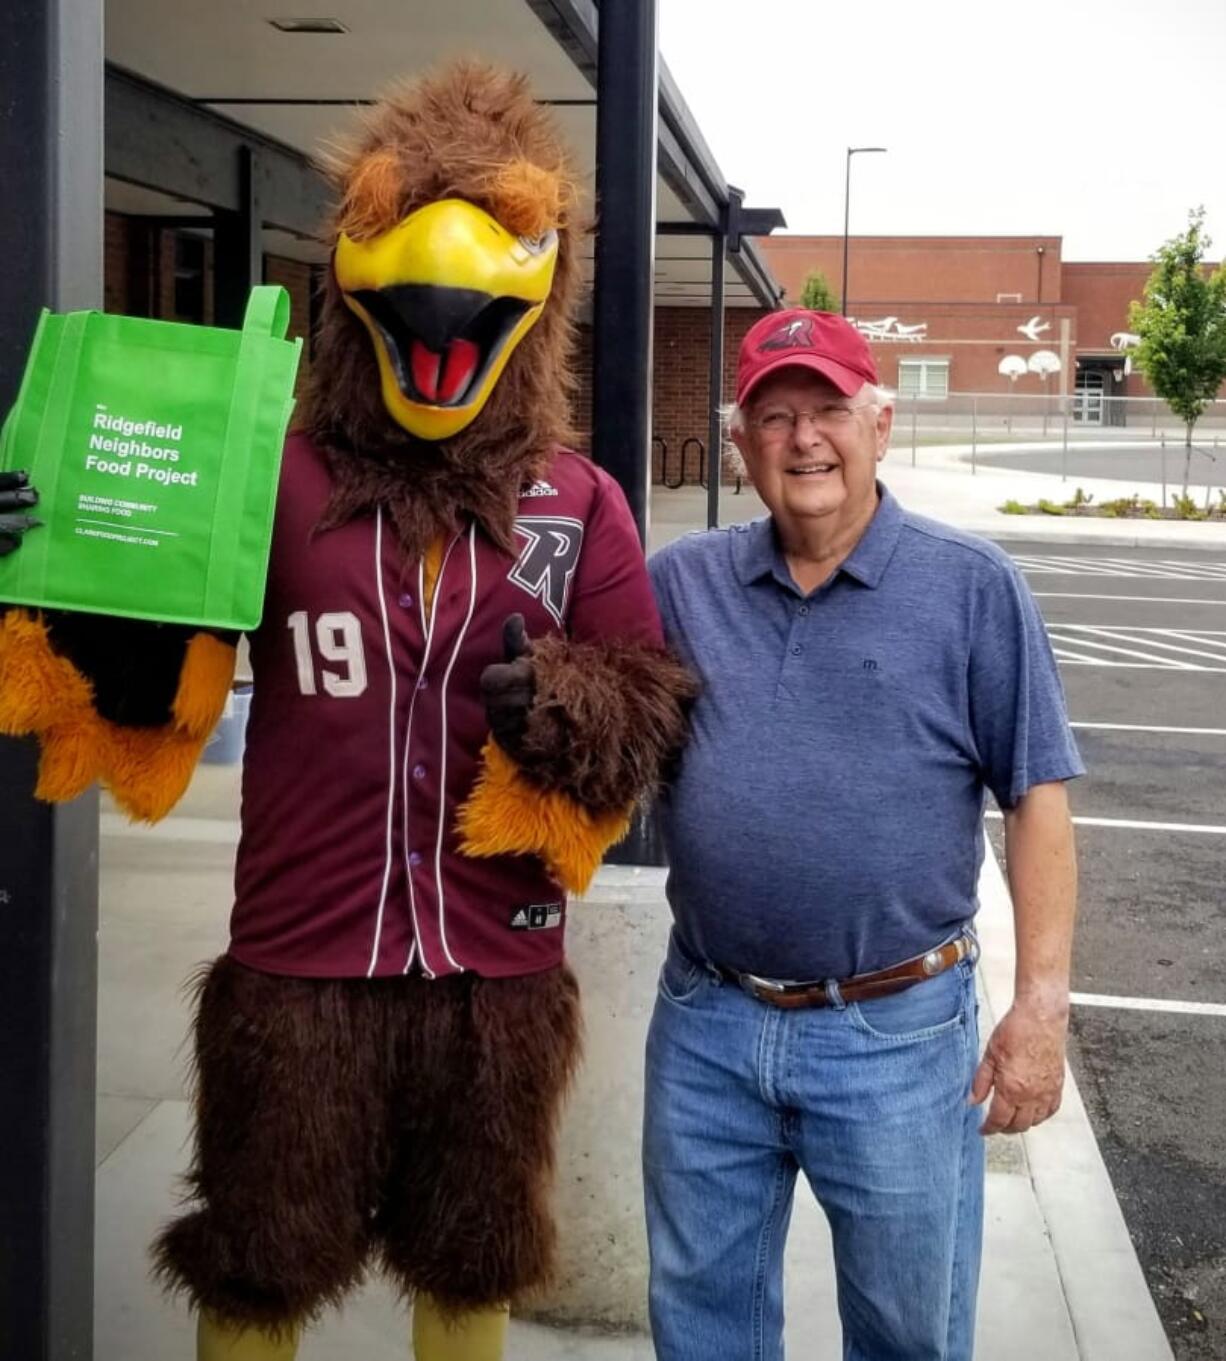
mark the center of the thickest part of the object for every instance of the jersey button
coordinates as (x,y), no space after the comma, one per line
(419,772)
(804,609)
(423,683)
(405,600)
(414,858)
(797,650)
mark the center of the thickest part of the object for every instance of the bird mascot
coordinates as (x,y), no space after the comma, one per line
(461,692)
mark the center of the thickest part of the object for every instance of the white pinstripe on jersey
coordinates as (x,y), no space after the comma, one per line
(408,738)
(391,791)
(442,747)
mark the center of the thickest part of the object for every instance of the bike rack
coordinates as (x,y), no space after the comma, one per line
(683,468)
(664,478)
(702,459)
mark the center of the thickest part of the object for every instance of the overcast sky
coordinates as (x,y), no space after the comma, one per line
(1102,121)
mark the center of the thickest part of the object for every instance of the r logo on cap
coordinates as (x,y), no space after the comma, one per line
(791,335)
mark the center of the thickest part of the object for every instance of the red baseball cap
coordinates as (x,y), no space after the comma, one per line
(821,341)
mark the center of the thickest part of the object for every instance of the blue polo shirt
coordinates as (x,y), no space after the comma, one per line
(826,817)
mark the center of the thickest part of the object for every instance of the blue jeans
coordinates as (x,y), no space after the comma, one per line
(870,1101)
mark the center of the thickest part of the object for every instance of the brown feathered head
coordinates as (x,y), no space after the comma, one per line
(442,370)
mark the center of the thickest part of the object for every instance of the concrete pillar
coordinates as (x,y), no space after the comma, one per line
(616,937)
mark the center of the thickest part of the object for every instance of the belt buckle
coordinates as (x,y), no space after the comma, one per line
(752,984)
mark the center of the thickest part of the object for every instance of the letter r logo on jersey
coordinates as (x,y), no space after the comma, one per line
(548,560)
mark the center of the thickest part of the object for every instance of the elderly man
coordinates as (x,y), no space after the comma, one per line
(867,676)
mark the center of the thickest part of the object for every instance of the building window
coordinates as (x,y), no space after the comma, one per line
(923,378)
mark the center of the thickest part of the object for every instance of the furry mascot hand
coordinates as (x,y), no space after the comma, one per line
(16,496)
(509,688)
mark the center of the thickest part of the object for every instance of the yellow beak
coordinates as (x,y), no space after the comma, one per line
(446,295)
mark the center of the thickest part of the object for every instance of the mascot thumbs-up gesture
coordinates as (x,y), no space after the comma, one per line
(460,694)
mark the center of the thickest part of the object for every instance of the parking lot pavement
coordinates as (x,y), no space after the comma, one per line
(1141,640)
(1142,462)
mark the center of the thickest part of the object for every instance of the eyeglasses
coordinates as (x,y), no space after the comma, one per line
(778,421)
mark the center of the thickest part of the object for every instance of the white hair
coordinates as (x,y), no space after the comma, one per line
(734,417)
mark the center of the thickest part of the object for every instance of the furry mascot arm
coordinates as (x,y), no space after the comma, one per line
(582,725)
(121,701)
(118,700)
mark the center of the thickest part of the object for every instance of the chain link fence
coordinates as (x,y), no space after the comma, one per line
(1080,417)
(1087,434)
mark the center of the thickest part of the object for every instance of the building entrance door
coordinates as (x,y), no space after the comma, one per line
(1088,397)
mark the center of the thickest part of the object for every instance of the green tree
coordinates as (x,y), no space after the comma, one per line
(816,293)
(1182,326)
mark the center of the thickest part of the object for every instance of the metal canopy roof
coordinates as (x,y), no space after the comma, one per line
(305,90)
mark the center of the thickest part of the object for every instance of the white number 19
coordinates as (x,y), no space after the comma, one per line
(338,637)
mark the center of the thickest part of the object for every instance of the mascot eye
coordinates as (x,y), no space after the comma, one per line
(537,245)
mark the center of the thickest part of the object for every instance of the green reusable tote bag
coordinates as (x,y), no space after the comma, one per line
(155,448)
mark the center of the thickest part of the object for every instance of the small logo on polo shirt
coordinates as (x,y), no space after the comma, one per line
(538,488)
(537,917)
(870,663)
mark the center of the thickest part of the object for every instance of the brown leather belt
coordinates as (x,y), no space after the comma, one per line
(860,987)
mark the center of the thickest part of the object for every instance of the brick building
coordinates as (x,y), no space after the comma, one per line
(942,312)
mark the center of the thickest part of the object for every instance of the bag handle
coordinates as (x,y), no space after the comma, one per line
(252,364)
(267,311)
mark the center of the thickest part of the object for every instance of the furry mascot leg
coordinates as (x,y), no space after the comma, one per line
(438,1336)
(217,1342)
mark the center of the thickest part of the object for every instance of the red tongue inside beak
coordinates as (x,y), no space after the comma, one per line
(440,378)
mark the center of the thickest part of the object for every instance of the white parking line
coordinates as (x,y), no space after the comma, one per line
(1127,599)
(1135,568)
(1098,999)
(1140,666)
(1145,727)
(1157,638)
(1100,644)
(1153,658)
(1207,828)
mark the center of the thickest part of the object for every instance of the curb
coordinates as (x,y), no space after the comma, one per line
(1016,533)
(1113,1314)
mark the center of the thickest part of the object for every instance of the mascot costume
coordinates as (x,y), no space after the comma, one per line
(461,693)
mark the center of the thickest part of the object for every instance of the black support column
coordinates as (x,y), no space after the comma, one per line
(51,246)
(715,379)
(626,97)
(238,255)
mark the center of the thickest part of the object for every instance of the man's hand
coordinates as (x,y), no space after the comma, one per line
(1023,1068)
(509,687)
(16,497)
(1024,1062)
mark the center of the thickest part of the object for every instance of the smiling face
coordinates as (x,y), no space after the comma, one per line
(811,452)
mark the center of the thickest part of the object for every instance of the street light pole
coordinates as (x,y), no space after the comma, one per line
(851,151)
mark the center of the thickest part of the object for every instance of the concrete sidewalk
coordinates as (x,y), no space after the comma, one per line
(942,485)
(1060,1278)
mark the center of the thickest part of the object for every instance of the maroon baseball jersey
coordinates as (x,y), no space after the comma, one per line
(367,723)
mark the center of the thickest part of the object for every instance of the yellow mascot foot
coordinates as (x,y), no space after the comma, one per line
(218,1341)
(478,1336)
